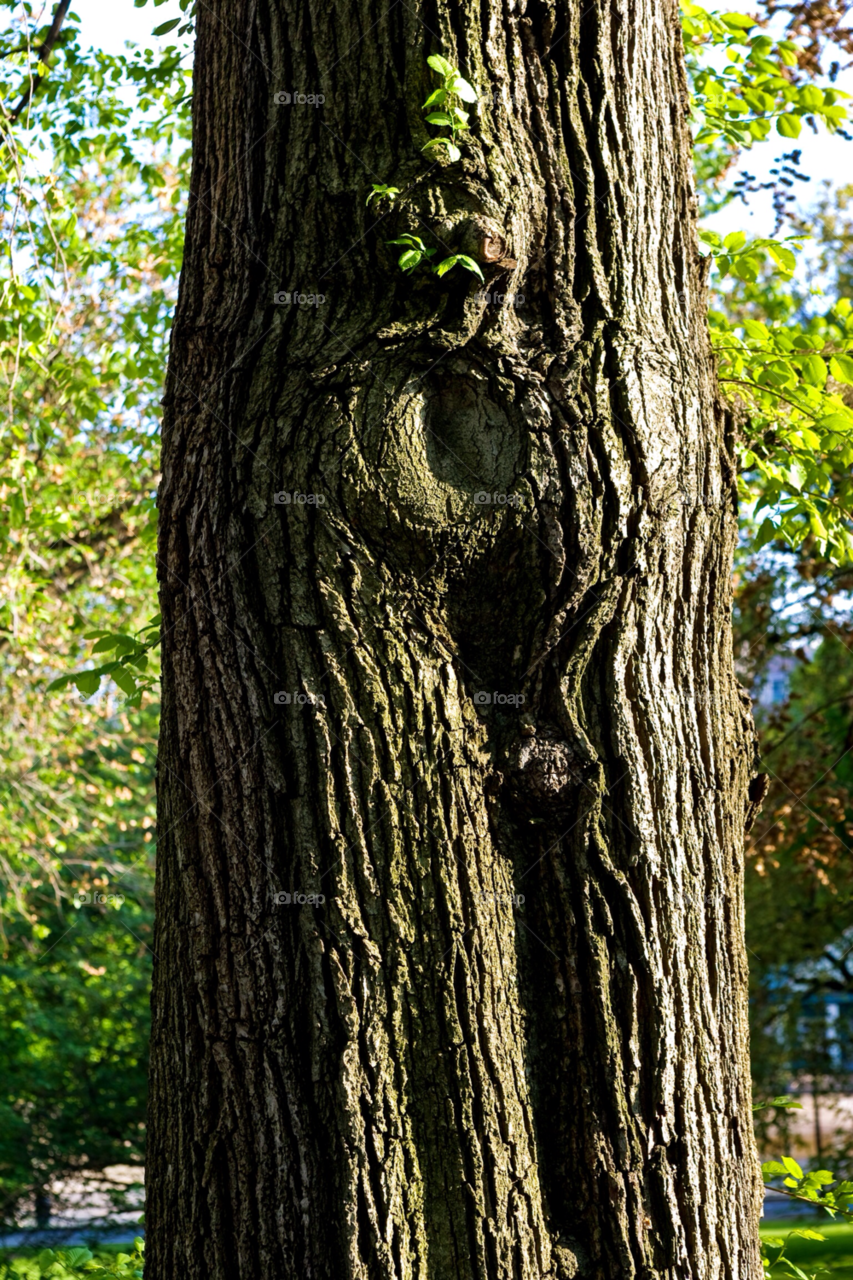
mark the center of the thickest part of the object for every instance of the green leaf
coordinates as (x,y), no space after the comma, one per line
(453,151)
(125,681)
(77,1256)
(841,368)
(767,533)
(745,269)
(837,421)
(470,265)
(116,641)
(789,126)
(737,21)
(380,189)
(463,89)
(755,329)
(88,682)
(735,240)
(435,99)
(446,265)
(441,65)
(814,371)
(810,96)
(772,1168)
(792,1166)
(439,117)
(782,257)
(410,259)
(795,1270)
(759,129)
(165,27)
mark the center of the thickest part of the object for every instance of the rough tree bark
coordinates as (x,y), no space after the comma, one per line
(424,1076)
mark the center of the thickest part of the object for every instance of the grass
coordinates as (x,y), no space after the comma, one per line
(830,1257)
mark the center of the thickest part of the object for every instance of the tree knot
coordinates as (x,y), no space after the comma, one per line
(545,772)
(482,239)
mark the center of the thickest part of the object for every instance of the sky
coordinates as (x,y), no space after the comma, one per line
(824,156)
(109,23)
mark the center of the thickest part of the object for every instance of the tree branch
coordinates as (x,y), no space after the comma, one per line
(44,53)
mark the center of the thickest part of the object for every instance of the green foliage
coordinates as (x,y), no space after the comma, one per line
(451,115)
(380,190)
(789,374)
(740,101)
(780,1245)
(798,444)
(74,1055)
(454,89)
(63,1264)
(126,670)
(789,1104)
(416,252)
(817,1187)
(95,179)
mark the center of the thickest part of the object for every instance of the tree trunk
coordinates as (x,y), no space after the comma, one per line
(501,739)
